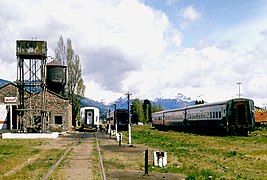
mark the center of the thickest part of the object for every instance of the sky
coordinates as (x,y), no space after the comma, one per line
(151,48)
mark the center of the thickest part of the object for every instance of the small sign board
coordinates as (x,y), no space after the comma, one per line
(10,99)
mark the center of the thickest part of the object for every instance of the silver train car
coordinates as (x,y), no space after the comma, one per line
(89,118)
(234,116)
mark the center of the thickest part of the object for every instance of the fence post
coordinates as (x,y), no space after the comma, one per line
(146,161)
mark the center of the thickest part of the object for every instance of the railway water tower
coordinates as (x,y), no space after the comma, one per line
(31,56)
(56,77)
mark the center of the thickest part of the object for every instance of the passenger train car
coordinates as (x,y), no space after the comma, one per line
(119,116)
(235,116)
(89,118)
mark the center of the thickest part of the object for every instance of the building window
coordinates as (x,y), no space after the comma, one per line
(37,120)
(58,119)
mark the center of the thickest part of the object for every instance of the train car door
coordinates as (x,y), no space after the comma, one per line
(89,116)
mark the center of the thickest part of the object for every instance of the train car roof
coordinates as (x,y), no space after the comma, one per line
(90,107)
(202,105)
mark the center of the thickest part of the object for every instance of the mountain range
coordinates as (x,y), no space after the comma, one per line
(167,103)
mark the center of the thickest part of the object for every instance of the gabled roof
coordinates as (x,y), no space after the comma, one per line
(51,92)
(6,84)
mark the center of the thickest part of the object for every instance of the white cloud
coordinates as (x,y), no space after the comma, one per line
(126,45)
(190,14)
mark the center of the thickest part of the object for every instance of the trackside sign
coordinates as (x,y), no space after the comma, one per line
(10,99)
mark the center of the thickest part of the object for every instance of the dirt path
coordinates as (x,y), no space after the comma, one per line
(120,162)
(79,164)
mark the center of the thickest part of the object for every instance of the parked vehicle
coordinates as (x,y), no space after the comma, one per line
(119,117)
(234,116)
(89,118)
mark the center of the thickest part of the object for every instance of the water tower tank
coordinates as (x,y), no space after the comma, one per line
(56,77)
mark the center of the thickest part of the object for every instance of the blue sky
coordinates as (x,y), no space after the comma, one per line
(152,48)
(214,17)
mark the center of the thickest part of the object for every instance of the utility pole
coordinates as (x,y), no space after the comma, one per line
(239,94)
(109,127)
(129,120)
(115,119)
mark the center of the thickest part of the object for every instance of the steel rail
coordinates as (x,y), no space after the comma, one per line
(100,159)
(62,157)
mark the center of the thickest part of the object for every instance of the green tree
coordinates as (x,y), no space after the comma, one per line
(147,111)
(137,109)
(75,85)
(156,108)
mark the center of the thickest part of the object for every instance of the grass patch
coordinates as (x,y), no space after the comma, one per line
(95,162)
(22,159)
(202,157)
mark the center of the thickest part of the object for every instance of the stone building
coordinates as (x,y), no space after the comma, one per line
(58,108)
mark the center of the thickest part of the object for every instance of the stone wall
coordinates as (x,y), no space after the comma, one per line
(56,106)
(9,90)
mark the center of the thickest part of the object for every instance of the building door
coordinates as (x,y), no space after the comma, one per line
(11,117)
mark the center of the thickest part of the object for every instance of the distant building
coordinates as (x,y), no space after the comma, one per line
(58,108)
(260,116)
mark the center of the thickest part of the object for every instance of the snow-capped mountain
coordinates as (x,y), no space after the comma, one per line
(167,103)
(182,97)
(172,103)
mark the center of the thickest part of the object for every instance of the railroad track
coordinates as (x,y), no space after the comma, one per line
(79,137)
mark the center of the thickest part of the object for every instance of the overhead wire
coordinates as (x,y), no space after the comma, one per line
(10,34)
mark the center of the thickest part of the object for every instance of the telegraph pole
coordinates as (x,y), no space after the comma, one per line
(239,94)
(129,120)
(115,119)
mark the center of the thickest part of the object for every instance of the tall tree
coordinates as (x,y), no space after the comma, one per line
(138,110)
(147,111)
(157,108)
(75,86)
(60,51)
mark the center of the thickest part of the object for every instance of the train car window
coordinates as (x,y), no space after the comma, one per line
(216,114)
(210,115)
(220,114)
(213,114)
